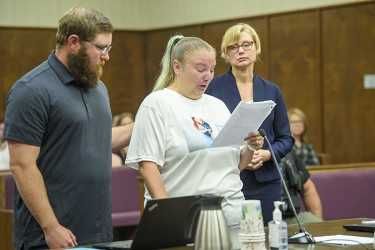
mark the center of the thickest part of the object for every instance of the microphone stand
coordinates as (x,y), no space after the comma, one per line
(303,237)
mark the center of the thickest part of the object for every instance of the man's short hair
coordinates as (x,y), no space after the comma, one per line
(85,23)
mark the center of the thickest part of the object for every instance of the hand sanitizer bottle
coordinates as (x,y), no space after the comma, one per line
(278,229)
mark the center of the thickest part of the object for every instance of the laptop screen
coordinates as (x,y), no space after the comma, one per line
(168,222)
(360,227)
(165,223)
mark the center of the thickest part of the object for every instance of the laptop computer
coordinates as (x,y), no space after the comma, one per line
(164,223)
(368,227)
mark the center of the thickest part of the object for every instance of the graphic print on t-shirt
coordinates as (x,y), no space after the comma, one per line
(202,126)
(198,132)
(202,136)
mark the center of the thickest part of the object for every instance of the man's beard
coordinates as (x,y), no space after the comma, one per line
(79,67)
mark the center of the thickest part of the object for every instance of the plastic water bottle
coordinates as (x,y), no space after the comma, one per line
(278,230)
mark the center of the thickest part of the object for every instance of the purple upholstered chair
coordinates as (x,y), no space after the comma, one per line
(125,197)
(10,188)
(346,193)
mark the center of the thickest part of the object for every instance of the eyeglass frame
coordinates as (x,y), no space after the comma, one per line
(103,49)
(233,49)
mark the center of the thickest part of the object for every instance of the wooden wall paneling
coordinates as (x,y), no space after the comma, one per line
(124,74)
(21,50)
(6,229)
(213,33)
(3,50)
(2,96)
(295,65)
(155,44)
(348,47)
(2,75)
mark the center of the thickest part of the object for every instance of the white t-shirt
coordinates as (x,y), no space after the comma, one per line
(176,132)
(4,157)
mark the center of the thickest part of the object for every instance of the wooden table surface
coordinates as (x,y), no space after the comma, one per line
(325,228)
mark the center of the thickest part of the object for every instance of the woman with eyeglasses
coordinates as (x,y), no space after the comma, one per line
(175,126)
(241,48)
(302,148)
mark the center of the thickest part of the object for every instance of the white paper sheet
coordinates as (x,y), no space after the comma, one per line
(246,118)
(344,240)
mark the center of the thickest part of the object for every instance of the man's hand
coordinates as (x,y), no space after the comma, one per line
(59,237)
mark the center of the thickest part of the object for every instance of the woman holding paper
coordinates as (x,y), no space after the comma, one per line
(175,126)
(240,48)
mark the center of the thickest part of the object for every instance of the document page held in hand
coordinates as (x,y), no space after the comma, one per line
(246,118)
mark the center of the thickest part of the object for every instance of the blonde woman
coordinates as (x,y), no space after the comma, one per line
(302,149)
(240,48)
(175,126)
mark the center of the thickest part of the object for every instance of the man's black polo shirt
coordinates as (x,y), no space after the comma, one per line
(72,127)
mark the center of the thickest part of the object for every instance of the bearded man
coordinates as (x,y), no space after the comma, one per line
(58,126)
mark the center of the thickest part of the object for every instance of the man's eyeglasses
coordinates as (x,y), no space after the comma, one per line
(233,49)
(103,49)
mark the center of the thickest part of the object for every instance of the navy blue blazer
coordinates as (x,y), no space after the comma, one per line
(276,124)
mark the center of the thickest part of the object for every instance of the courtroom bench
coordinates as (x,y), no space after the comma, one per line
(6,215)
(346,190)
(126,197)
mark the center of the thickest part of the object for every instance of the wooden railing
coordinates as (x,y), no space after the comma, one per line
(2,187)
(6,227)
(336,167)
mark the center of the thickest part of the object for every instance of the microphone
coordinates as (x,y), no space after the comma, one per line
(303,237)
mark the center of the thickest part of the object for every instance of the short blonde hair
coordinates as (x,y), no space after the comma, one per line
(301,115)
(232,36)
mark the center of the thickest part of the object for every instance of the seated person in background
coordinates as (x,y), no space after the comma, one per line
(4,151)
(126,118)
(301,188)
(298,127)
(123,119)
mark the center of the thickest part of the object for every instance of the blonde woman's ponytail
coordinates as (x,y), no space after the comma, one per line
(167,75)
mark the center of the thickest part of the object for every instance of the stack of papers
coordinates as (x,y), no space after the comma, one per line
(344,240)
(246,118)
(82,248)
